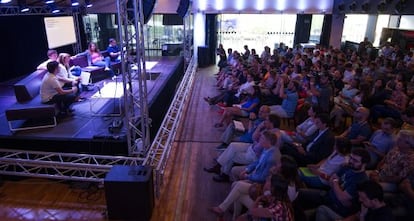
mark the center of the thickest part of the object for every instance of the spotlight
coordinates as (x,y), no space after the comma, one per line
(53,8)
(382,6)
(5,1)
(49,1)
(88,3)
(341,7)
(23,6)
(400,6)
(353,6)
(75,2)
(366,7)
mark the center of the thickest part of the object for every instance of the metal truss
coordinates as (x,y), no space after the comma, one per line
(33,10)
(160,149)
(66,166)
(131,34)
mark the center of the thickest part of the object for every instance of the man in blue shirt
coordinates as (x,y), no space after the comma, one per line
(290,99)
(342,198)
(113,50)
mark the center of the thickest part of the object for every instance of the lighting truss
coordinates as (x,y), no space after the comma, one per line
(66,166)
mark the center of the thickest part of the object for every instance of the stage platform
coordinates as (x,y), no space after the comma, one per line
(87,130)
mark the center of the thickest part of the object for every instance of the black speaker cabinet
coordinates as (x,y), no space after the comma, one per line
(129,193)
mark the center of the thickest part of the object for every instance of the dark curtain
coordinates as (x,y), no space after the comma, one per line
(302,29)
(326,31)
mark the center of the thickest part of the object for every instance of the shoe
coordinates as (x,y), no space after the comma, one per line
(107,69)
(208,100)
(218,125)
(216,210)
(213,169)
(222,146)
(70,110)
(222,178)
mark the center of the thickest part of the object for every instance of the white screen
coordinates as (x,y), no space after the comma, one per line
(60,31)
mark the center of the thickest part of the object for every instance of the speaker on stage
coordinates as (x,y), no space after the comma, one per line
(147,8)
(183,8)
(129,192)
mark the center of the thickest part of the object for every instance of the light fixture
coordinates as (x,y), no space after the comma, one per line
(53,8)
(382,6)
(341,7)
(366,6)
(5,1)
(88,3)
(75,2)
(400,6)
(353,6)
(49,1)
(23,6)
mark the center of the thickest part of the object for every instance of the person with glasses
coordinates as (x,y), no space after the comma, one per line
(342,198)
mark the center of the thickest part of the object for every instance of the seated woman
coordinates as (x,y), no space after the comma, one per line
(51,91)
(64,75)
(242,110)
(95,57)
(275,206)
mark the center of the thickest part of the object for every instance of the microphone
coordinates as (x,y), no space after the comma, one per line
(99,89)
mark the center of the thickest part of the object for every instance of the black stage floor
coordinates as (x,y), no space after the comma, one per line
(87,131)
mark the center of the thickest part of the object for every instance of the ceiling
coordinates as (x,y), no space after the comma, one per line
(209,6)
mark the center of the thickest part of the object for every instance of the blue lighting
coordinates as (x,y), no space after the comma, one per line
(88,3)
(5,1)
(49,1)
(75,3)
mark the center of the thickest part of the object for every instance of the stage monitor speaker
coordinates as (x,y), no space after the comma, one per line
(148,7)
(129,192)
(183,8)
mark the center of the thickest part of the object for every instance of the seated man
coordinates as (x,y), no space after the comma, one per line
(52,56)
(381,142)
(290,99)
(320,147)
(243,153)
(342,198)
(373,207)
(254,121)
(114,51)
(52,92)
(257,172)
(360,130)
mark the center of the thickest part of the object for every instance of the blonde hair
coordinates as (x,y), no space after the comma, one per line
(62,57)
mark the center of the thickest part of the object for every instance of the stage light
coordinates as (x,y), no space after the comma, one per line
(5,1)
(88,3)
(341,7)
(53,8)
(49,1)
(353,6)
(400,6)
(75,2)
(366,6)
(23,6)
(382,6)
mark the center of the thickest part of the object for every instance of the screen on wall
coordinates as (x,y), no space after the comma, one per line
(60,31)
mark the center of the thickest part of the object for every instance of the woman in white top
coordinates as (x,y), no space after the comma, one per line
(317,175)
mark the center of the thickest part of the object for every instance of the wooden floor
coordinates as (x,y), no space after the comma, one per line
(186,194)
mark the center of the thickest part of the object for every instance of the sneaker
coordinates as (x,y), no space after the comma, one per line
(222,178)
(222,146)
(213,169)
(107,69)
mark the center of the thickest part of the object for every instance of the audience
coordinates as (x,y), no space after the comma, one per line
(369,89)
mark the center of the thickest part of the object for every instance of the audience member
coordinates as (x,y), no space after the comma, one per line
(360,130)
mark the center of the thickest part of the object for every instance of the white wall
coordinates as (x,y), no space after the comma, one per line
(199,31)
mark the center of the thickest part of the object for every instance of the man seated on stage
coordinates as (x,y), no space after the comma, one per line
(114,51)
(52,56)
(51,91)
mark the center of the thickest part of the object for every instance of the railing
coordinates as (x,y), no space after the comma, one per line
(159,151)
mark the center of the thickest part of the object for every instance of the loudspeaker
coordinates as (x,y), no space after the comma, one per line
(147,6)
(183,8)
(129,192)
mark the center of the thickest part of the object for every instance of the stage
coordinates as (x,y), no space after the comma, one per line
(87,130)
